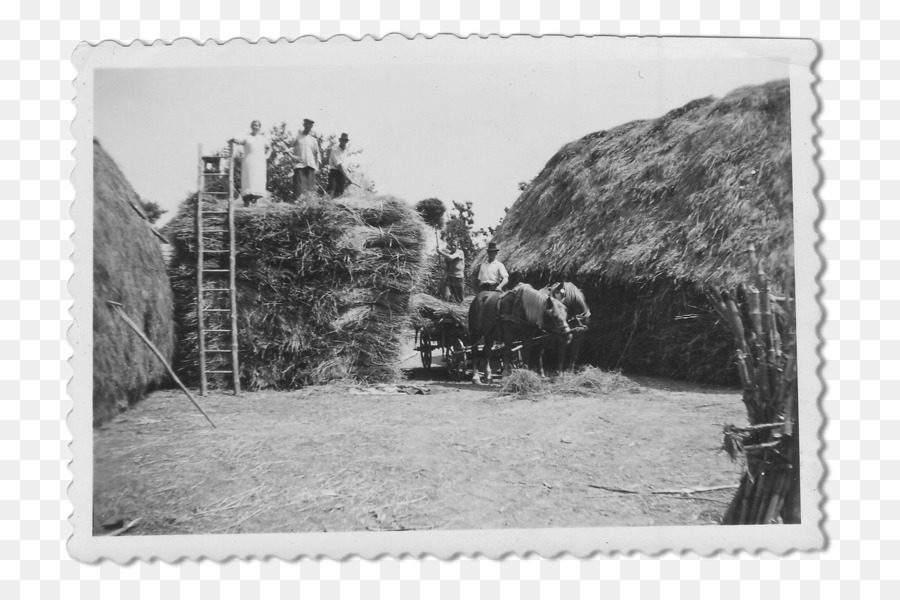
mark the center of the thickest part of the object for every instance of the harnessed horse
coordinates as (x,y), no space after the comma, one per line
(579,316)
(510,316)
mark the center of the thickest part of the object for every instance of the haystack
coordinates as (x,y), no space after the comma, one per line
(128,269)
(323,289)
(426,309)
(643,215)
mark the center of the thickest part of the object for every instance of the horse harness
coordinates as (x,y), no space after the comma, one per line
(519,321)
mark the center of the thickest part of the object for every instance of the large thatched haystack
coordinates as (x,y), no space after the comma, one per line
(129,269)
(323,289)
(642,215)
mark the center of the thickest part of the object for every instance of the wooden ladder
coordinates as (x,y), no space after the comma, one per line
(216,293)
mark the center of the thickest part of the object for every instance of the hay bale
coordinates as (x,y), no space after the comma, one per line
(323,290)
(129,269)
(645,214)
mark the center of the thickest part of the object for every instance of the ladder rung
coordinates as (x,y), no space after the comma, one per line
(229,372)
(216,251)
(216,350)
(214,212)
(216,310)
(218,331)
(215,270)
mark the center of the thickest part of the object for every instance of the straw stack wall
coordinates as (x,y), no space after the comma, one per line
(644,215)
(323,289)
(128,269)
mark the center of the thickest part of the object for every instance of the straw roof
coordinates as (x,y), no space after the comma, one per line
(674,199)
(129,269)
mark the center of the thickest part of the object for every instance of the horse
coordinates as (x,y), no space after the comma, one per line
(510,316)
(579,316)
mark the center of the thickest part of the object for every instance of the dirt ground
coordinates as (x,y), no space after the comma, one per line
(461,457)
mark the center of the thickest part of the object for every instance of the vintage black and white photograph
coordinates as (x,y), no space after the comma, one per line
(445,295)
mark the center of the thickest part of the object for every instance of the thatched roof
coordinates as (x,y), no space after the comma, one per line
(674,199)
(129,269)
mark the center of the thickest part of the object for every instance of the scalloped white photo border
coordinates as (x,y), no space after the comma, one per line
(800,57)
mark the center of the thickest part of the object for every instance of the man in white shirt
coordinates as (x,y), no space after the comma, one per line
(306,161)
(455,269)
(337,173)
(492,275)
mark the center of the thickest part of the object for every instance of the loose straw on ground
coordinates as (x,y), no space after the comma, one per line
(118,308)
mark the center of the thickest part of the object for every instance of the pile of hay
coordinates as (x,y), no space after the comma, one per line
(523,383)
(590,381)
(128,269)
(322,290)
(426,310)
(645,214)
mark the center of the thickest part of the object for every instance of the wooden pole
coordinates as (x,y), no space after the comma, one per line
(232,288)
(118,308)
(201,329)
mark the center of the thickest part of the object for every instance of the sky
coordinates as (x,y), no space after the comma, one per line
(464,125)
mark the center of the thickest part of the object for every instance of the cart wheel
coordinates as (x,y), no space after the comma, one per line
(425,349)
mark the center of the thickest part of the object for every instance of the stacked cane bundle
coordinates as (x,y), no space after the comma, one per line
(764,329)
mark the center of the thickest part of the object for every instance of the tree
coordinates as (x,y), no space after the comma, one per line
(432,211)
(152,210)
(459,228)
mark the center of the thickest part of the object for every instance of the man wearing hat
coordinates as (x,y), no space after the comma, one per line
(492,275)
(306,161)
(337,174)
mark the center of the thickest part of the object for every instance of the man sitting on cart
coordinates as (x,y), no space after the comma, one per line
(492,275)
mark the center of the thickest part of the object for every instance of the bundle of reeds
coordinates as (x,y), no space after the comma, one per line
(764,328)
(128,269)
(322,290)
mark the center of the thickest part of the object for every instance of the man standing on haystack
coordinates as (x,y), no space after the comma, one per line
(337,173)
(455,268)
(306,161)
(492,275)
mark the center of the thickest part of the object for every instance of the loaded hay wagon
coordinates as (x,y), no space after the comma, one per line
(442,326)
